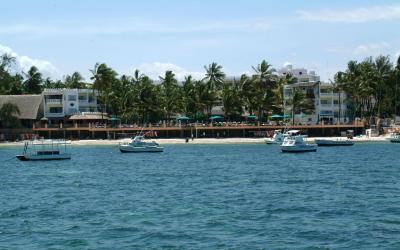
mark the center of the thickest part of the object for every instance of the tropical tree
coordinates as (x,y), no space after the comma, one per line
(214,79)
(9,84)
(296,102)
(214,76)
(232,100)
(75,81)
(264,81)
(382,72)
(339,81)
(103,79)
(171,95)
(51,84)
(9,115)
(397,80)
(190,107)
(33,82)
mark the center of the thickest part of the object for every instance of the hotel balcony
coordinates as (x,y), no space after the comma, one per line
(87,103)
(54,101)
(53,115)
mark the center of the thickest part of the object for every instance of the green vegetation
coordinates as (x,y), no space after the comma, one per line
(9,116)
(371,86)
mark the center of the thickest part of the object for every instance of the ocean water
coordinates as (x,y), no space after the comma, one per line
(203,197)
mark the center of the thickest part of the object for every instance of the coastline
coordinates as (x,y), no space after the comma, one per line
(203,141)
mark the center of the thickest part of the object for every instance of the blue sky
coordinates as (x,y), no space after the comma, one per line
(61,37)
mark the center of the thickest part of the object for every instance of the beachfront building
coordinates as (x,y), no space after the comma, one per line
(30,107)
(323,103)
(63,103)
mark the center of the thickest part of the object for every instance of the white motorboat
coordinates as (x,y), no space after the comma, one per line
(296,144)
(276,139)
(44,150)
(395,139)
(331,143)
(138,145)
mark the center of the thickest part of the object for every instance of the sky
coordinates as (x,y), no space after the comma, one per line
(64,36)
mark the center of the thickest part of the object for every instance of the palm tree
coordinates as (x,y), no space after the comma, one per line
(382,72)
(338,87)
(297,101)
(103,78)
(9,115)
(33,83)
(278,104)
(397,76)
(190,106)
(75,81)
(214,76)
(232,100)
(214,80)
(171,94)
(264,80)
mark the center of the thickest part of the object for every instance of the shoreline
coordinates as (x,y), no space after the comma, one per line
(215,141)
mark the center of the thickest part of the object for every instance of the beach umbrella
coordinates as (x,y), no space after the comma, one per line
(113,119)
(277,116)
(182,118)
(251,117)
(216,117)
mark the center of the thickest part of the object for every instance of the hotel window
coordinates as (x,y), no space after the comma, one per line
(55,110)
(325,102)
(71,97)
(82,98)
(336,102)
(325,91)
(72,110)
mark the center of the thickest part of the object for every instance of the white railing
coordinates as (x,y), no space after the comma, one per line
(48,114)
(54,101)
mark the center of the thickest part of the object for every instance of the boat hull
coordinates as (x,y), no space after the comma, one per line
(44,158)
(130,149)
(395,140)
(270,142)
(298,149)
(330,143)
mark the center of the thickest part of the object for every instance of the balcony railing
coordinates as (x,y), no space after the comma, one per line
(48,114)
(54,101)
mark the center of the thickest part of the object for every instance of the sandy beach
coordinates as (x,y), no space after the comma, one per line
(207,141)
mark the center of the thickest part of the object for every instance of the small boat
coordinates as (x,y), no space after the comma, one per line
(296,144)
(276,139)
(331,143)
(395,139)
(44,150)
(139,145)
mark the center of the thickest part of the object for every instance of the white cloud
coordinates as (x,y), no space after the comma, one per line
(24,63)
(132,25)
(359,15)
(156,69)
(396,55)
(371,49)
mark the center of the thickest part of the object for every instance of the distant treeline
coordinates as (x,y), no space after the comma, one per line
(371,86)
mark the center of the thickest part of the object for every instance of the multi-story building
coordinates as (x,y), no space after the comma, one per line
(323,103)
(61,103)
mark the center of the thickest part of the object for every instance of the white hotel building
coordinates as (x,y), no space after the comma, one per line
(61,103)
(322,97)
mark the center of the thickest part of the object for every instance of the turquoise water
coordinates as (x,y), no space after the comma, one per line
(203,197)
